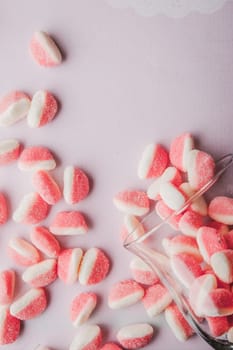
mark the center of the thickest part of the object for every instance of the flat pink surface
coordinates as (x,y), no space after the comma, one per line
(126,81)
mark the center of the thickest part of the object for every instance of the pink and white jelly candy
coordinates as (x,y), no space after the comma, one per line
(199,291)
(69,261)
(132,202)
(221,228)
(177,323)
(222,264)
(135,336)
(179,150)
(132,228)
(7,286)
(45,241)
(46,187)
(9,151)
(124,293)
(181,244)
(32,209)
(163,211)
(82,307)
(200,168)
(156,299)
(89,337)
(172,196)
(9,326)
(218,325)
(36,158)
(221,210)
(13,107)
(41,274)
(190,222)
(22,252)
(142,273)
(199,205)
(186,268)
(3,209)
(171,174)
(42,110)
(153,162)
(76,185)
(68,223)
(94,266)
(30,304)
(209,242)
(44,50)
(218,302)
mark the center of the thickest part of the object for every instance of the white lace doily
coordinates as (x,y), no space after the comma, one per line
(172,8)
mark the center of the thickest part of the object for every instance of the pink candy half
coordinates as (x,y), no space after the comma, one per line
(124,293)
(29,305)
(135,336)
(22,252)
(41,274)
(89,337)
(156,299)
(132,227)
(32,209)
(36,158)
(179,150)
(69,261)
(181,244)
(67,223)
(9,326)
(94,267)
(7,286)
(190,222)
(45,241)
(42,110)
(76,185)
(142,273)
(82,307)
(14,106)
(221,210)
(176,321)
(46,187)
(132,202)
(3,209)
(44,50)
(153,161)
(9,151)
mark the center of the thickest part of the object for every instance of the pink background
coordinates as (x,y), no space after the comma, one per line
(126,81)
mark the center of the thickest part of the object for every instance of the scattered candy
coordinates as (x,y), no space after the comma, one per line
(9,151)
(181,244)
(218,325)
(68,223)
(32,209)
(132,202)
(200,168)
(153,162)
(76,185)
(156,299)
(135,336)
(124,293)
(44,50)
(3,209)
(36,158)
(30,304)
(46,187)
(94,267)
(82,307)
(171,174)
(9,326)
(176,321)
(89,337)
(7,286)
(209,242)
(41,274)
(186,268)
(163,211)
(190,222)
(179,150)
(132,227)
(42,110)
(13,107)
(218,302)
(45,241)
(22,252)
(199,205)
(142,273)
(69,261)
(221,210)
(172,196)
(222,264)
